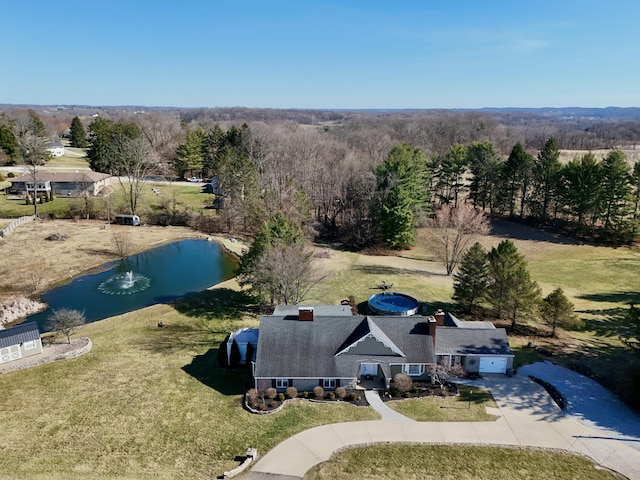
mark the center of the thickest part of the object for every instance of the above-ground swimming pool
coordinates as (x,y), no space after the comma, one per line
(392,303)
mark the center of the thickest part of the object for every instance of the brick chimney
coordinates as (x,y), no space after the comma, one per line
(305,314)
(431,326)
(439,316)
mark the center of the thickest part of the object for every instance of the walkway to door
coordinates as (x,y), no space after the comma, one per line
(373,397)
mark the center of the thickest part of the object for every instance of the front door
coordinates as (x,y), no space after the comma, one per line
(370,369)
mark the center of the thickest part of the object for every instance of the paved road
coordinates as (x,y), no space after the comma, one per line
(528,417)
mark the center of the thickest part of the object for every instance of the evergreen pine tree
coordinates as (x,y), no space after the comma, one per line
(78,134)
(471,281)
(402,192)
(223,359)
(546,177)
(511,291)
(616,186)
(234,355)
(557,311)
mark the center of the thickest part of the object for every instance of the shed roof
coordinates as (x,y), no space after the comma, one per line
(25,332)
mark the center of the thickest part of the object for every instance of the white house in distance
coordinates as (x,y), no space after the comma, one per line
(55,149)
(19,342)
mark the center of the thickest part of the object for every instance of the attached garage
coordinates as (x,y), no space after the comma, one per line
(479,350)
(493,365)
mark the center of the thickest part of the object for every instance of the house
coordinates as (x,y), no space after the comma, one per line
(66,184)
(55,149)
(316,346)
(19,342)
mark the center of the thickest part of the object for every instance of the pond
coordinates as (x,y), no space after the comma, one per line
(159,275)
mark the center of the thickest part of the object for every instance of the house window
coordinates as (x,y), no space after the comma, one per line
(413,369)
(282,383)
(329,383)
(30,345)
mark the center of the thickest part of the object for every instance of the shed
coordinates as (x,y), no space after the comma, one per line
(19,342)
(243,337)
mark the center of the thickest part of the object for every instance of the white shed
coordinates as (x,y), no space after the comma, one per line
(243,337)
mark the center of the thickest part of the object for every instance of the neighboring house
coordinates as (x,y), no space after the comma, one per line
(55,149)
(19,342)
(327,347)
(66,184)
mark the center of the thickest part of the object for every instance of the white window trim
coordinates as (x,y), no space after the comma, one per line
(406,368)
(30,345)
(282,382)
(329,383)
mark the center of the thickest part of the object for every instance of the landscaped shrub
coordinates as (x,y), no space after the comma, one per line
(331,396)
(402,382)
(234,355)
(292,392)
(273,404)
(252,397)
(341,392)
(406,394)
(318,392)
(281,397)
(223,360)
(305,394)
(270,393)
(353,397)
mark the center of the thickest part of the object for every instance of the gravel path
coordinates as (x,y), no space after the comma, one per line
(588,401)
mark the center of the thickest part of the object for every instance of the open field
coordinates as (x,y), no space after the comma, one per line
(566,156)
(455,462)
(184,196)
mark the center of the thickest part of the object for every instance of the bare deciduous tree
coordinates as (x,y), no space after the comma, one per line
(65,321)
(132,165)
(121,242)
(287,272)
(452,230)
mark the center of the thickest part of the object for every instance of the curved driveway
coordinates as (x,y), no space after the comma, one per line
(528,417)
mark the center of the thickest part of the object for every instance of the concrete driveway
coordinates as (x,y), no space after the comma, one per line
(528,417)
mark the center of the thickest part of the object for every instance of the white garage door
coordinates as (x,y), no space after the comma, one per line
(493,364)
(9,354)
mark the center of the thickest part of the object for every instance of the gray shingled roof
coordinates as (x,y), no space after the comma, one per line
(289,348)
(63,177)
(472,341)
(451,321)
(25,332)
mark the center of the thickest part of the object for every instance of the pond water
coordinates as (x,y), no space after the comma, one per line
(158,275)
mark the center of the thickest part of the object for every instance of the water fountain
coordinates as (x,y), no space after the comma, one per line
(126,283)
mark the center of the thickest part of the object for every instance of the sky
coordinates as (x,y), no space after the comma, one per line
(321,54)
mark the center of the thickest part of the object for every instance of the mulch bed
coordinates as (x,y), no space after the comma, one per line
(420,390)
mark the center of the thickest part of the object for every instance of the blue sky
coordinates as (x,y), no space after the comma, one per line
(321,54)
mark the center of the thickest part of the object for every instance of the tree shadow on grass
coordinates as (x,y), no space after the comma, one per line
(176,337)
(205,369)
(383,270)
(628,298)
(218,304)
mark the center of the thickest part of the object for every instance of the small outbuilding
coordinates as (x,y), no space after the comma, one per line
(19,342)
(243,338)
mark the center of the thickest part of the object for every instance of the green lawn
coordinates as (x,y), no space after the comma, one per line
(144,403)
(455,462)
(469,406)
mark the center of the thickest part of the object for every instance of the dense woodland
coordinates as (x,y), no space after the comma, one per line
(367,177)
